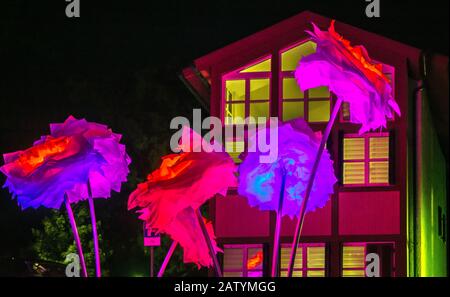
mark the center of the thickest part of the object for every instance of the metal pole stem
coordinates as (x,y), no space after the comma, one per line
(152,259)
(98,271)
(212,252)
(167,258)
(298,228)
(76,236)
(276,240)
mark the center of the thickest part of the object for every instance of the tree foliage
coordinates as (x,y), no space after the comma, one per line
(55,240)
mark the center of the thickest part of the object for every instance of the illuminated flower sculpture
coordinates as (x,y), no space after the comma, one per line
(280,186)
(353,77)
(79,160)
(170,199)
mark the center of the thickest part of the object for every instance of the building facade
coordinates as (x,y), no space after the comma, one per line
(384,202)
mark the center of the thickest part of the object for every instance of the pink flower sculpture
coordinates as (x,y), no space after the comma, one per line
(171,194)
(186,230)
(351,75)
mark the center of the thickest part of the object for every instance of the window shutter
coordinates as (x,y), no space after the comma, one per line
(353,261)
(284,261)
(379,170)
(316,260)
(233,259)
(379,147)
(354,173)
(354,148)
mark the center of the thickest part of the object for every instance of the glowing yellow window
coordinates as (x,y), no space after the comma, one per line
(309,260)
(366,159)
(354,173)
(316,257)
(234,111)
(353,260)
(354,148)
(316,273)
(318,111)
(291,57)
(259,89)
(285,254)
(291,90)
(379,172)
(263,66)
(259,109)
(379,147)
(247,92)
(320,92)
(293,110)
(234,149)
(235,90)
(354,273)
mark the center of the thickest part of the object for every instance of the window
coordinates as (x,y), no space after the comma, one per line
(309,261)
(234,148)
(354,258)
(389,72)
(312,105)
(243,260)
(246,92)
(365,159)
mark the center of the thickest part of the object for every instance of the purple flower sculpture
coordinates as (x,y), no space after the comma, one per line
(280,186)
(79,160)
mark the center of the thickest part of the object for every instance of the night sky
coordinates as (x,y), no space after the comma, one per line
(118,64)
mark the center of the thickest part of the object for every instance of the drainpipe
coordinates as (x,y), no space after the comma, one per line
(417,203)
(418,97)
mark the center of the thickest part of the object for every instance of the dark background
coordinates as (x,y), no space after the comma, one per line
(118,65)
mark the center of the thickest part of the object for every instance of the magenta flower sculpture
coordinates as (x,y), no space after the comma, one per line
(280,186)
(353,77)
(169,201)
(79,160)
(187,230)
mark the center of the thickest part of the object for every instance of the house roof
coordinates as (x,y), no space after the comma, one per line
(283,34)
